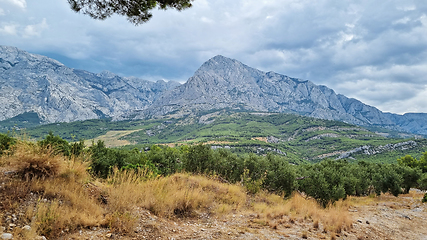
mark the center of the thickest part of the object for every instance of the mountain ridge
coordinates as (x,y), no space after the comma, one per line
(222,82)
(35,83)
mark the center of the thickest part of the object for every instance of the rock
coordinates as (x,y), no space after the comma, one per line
(12,225)
(5,236)
(48,91)
(26,227)
(367,222)
(52,92)
(227,83)
(40,238)
(109,235)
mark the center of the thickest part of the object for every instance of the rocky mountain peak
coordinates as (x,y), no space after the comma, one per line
(38,84)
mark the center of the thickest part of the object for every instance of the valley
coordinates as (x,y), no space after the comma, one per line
(300,139)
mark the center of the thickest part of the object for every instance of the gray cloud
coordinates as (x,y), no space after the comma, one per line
(373,51)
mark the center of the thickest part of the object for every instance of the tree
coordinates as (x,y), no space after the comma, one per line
(423,162)
(136,11)
(409,161)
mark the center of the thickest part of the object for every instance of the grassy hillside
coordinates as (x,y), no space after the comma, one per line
(52,188)
(299,138)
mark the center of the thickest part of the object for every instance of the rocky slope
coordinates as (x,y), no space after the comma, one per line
(222,82)
(34,83)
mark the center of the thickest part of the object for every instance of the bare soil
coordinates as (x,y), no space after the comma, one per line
(384,217)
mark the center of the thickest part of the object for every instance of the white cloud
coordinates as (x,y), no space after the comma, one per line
(8,30)
(373,51)
(18,3)
(1,12)
(36,29)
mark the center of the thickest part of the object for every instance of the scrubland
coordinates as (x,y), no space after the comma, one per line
(44,193)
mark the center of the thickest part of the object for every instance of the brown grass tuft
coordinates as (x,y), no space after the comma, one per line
(180,195)
(122,222)
(334,217)
(31,161)
(316,224)
(304,234)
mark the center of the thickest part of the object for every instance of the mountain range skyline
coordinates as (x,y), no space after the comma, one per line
(35,83)
(374,52)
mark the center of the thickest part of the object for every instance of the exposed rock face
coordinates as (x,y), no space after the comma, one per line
(34,83)
(222,82)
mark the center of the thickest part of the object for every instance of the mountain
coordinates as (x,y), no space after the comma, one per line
(31,83)
(223,82)
(56,93)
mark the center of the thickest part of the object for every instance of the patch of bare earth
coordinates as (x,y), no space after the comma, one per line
(384,217)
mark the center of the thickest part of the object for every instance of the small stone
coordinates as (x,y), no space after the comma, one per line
(5,236)
(12,225)
(359,221)
(367,222)
(26,227)
(109,235)
(40,238)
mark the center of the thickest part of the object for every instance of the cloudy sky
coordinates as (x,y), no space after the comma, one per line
(375,51)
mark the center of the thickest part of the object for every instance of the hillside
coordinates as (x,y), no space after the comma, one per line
(296,137)
(50,195)
(31,83)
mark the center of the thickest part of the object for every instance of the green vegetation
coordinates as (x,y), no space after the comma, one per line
(300,139)
(327,181)
(6,142)
(25,120)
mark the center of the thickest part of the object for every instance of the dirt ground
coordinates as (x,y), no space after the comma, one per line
(384,217)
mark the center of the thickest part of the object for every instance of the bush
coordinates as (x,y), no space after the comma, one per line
(422,182)
(6,142)
(57,143)
(425,198)
(34,162)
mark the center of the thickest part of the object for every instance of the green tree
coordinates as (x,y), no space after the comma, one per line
(6,142)
(136,11)
(199,159)
(409,161)
(280,175)
(410,176)
(423,162)
(57,143)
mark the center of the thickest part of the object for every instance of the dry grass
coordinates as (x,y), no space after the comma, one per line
(177,195)
(334,218)
(64,202)
(112,138)
(69,199)
(30,161)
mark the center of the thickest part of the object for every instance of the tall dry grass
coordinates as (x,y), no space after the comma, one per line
(176,195)
(60,182)
(334,218)
(31,161)
(70,199)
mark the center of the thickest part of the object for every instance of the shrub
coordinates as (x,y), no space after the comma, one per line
(57,143)
(6,142)
(34,162)
(424,198)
